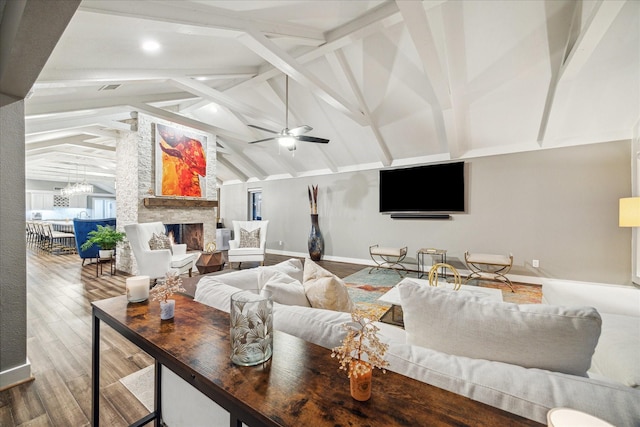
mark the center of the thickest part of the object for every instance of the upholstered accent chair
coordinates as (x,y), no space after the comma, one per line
(248,245)
(156,263)
(81,229)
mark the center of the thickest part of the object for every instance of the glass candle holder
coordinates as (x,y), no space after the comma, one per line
(137,288)
(251,327)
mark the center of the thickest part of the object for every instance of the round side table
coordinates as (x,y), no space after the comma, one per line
(567,417)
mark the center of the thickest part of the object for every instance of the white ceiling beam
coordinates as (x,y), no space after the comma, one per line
(185,121)
(383,150)
(84,131)
(243,162)
(282,60)
(204,91)
(35,125)
(179,14)
(34,107)
(415,19)
(556,62)
(232,168)
(60,78)
(381,17)
(188,107)
(594,29)
(453,122)
(76,141)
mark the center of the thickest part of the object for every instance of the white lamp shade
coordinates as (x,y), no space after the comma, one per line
(630,212)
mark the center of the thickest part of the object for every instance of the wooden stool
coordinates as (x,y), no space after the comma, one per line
(387,258)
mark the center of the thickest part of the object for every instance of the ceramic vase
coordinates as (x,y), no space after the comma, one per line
(361,385)
(316,244)
(167,309)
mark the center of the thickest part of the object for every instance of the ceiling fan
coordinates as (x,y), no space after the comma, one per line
(288,137)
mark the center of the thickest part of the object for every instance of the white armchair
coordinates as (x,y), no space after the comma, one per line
(240,254)
(156,263)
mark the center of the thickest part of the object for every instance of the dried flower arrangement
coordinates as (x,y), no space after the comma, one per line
(361,339)
(313,199)
(172,283)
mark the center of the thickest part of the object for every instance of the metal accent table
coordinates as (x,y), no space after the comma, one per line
(442,253)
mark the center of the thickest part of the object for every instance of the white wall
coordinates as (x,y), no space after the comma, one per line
(558,206)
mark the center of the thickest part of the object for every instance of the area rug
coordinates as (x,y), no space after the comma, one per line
(366,287)
(141,384)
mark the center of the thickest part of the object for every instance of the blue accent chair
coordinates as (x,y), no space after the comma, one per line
(81,228)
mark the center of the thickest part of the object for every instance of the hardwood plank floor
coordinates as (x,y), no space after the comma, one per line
(59,295)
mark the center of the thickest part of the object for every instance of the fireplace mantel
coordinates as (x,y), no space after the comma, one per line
(151,202)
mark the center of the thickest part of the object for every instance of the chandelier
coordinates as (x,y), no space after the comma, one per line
(78,188)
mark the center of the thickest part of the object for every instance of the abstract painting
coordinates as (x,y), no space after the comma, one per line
(181,162)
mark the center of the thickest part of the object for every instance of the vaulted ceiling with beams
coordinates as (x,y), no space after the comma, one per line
(390,83)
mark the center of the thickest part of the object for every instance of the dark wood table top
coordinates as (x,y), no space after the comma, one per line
(300,385)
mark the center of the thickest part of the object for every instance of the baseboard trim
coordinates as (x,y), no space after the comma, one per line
(15,376)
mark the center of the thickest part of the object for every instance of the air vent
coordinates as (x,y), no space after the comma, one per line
(109,87)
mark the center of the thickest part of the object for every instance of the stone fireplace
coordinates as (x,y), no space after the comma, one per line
(135,182)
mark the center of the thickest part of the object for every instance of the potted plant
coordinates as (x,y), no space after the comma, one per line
(361,340)
(106,238)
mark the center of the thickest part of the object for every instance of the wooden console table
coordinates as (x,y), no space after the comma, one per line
(300,385)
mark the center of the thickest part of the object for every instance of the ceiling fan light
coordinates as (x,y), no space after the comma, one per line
(287,141)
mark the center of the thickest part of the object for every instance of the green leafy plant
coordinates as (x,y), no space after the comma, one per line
(106,237)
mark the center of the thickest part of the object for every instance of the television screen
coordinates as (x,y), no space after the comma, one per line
(430,188)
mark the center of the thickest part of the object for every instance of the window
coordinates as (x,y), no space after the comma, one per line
(255,204)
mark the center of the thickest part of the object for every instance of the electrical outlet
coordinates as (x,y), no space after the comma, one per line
(535,263)
(280,242)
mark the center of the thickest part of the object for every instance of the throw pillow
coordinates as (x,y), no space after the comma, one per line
(324,289)
(617,353)
(554,338)
(249,239)
(291,267)
(159,241)
(284,289)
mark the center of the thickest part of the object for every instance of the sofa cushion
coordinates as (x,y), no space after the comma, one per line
(249,239)
(530,393)
(215,294)
(324,289)
(284,288)
(321,327)
(292,267)
(617,355)
(559,339)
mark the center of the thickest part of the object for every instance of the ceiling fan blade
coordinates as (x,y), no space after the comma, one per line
(300,130)
(312,139)
(262,140)
(264,129)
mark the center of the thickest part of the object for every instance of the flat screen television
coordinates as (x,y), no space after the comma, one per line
(425,189)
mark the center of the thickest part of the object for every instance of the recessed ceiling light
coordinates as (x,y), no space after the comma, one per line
(150,46)
(201,78)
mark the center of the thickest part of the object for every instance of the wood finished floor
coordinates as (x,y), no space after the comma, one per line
(59,296)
